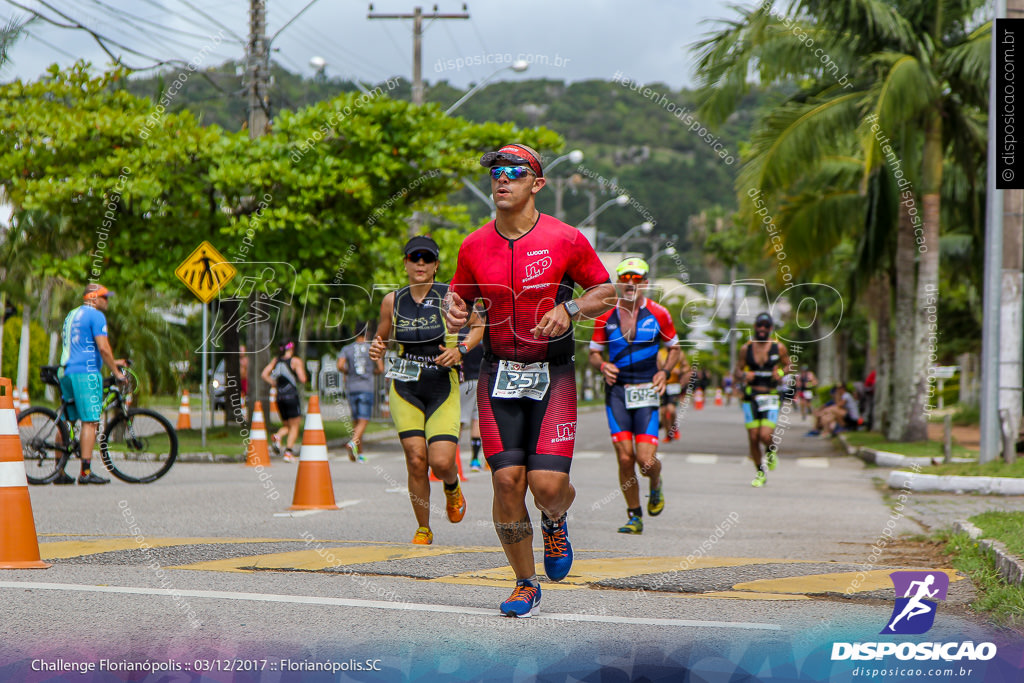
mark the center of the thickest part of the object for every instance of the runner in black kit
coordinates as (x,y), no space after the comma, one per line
(524,265)
(759,367)
(424,395)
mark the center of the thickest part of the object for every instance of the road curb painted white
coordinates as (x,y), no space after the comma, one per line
(1001,486)
(1007,564)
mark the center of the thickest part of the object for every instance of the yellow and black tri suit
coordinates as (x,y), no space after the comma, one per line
(429,405)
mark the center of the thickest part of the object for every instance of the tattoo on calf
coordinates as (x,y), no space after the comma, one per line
(514,532)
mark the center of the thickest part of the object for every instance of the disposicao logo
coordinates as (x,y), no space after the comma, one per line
(913,614)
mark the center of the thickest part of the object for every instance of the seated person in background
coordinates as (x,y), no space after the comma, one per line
(839,413)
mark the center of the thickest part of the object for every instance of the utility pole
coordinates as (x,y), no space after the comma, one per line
(257,59)
(417,17)
(258,69)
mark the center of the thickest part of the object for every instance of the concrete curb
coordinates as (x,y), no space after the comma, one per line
(1008,566)
(1002,486)
(887,459)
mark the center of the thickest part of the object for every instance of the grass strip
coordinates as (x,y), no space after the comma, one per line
(999,601)
(1007,527)
(929,449)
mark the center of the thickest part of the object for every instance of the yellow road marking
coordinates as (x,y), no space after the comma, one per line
(743,595)
(316,560)
(877,579)
(591,571)
(57,550)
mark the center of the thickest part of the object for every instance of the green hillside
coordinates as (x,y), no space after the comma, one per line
(634,141)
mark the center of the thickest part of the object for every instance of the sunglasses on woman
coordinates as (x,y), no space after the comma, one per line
(424,256)
(511,172)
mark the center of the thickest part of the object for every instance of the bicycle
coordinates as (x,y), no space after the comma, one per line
(137,445)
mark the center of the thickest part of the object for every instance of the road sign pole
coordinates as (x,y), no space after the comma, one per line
(202,352)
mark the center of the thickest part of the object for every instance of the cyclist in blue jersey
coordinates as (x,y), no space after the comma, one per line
(86,349)
(635,380)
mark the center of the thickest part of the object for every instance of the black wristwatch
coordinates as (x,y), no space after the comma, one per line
(572,308)
(463,349)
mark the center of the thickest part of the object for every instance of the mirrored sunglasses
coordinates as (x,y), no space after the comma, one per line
(424,256)
(511,172)
(632,278)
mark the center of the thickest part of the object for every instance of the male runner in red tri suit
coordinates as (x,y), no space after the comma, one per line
(524,265)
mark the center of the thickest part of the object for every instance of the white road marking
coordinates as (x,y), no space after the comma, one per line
(375,604)
(820,463)
(701,459)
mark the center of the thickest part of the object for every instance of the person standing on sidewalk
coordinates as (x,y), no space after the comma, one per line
(359,369)
(635,381)
(525,265)
(86,349)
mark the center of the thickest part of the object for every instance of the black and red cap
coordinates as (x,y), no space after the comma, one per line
(514,155)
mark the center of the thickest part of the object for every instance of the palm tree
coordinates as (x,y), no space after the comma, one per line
(911,96)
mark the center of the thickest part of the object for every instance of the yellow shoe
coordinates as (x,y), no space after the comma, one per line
(424,536)
(456,506)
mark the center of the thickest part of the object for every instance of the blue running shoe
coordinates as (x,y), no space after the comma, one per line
(557,550)
(523,601)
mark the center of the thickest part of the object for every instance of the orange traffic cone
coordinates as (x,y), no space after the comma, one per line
(458,461)
(257,453)
(313,487)
(718,396)
(698,399)
(273,404)
(16,398)
(184,414)
(25,405)
(19,545)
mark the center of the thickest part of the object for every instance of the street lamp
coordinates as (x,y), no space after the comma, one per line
(646,227)
(620,200)
(671,251)
(519,66)
(575,156)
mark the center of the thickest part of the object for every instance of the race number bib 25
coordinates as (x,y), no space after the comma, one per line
(642,396)
(766,402)
(521,380)
(404,370)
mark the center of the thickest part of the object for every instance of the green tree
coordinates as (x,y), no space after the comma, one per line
(914,65)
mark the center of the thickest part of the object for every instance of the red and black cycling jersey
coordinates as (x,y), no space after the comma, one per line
(521,280)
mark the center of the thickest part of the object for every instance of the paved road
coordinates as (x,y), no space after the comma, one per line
(209,565)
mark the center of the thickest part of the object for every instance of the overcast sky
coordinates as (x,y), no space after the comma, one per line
(646,40)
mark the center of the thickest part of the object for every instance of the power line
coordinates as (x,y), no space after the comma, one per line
(155,24)
(204,14)
(100,39)
(145,32)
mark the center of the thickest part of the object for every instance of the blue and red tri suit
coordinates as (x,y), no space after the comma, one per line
(637,361)
(520,280)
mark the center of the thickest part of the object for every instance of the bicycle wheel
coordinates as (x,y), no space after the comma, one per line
(139,446)
(44,444)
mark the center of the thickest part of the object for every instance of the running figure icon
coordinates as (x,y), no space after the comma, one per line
(915,606)
(915,589)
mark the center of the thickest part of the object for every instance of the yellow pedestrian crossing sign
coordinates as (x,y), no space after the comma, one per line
(205,271)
